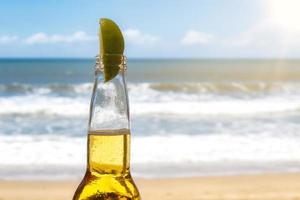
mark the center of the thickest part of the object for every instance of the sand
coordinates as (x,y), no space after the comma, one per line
(250,187)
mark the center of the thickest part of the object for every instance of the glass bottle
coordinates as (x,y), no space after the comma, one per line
(108,176)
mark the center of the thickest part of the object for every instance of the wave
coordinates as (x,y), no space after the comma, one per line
(53,88)
(222,87)
(37,104)
(153,155)
(226,87)
(147,101)
(21,149)
(219,107)
(79,106)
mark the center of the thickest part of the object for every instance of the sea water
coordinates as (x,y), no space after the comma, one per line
(189,117)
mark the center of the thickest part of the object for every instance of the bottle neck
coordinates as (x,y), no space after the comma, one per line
(109,125)
(109,108)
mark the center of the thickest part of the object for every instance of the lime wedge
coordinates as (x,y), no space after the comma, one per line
(111,47)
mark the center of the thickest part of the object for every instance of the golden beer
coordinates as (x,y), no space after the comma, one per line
(108,175)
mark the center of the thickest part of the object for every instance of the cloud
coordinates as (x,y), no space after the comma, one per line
(277,28)
(193,37)
(43,38)
(264,34)
(135,36)
(7,39)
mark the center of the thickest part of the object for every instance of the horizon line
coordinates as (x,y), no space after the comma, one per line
(163,58)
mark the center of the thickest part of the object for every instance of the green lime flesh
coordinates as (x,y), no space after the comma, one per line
(111,48)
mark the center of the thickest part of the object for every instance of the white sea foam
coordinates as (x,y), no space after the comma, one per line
(217,87)
(189,129)
(145,98)
(197,154)
(221,107)
(34,104)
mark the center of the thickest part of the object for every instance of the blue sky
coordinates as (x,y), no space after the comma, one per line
(169,28)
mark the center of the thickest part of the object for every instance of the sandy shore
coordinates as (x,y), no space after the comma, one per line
(250,187)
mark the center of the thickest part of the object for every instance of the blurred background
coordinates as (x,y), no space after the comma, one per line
(213,85)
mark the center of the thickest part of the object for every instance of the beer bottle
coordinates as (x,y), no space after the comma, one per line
(107,175)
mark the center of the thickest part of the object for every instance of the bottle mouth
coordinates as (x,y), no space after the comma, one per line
(112,60)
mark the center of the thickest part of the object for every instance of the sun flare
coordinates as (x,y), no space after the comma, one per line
(284,13)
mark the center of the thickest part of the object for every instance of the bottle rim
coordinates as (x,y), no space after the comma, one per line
(120,60)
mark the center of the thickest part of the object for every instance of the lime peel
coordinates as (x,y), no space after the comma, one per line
(111,48)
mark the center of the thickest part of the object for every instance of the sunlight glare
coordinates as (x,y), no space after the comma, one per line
(284,13)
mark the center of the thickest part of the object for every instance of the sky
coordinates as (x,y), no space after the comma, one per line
(153,29)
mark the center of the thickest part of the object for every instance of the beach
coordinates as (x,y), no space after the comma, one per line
(240,187)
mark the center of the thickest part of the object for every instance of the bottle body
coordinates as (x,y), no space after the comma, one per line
(108,175)
(108,156)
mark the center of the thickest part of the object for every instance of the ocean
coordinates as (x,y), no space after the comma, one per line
(189,117)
